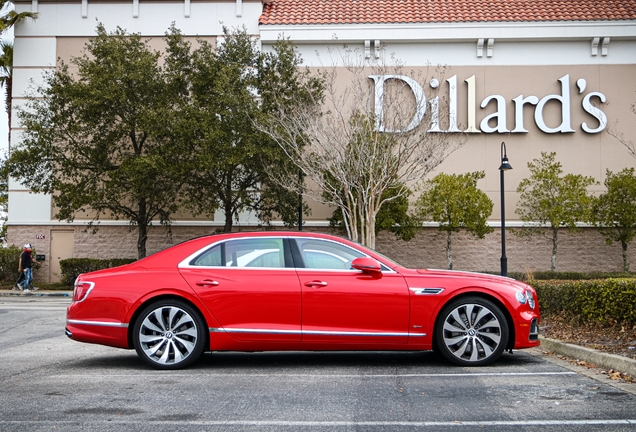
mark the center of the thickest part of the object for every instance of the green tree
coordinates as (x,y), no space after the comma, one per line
(99,139)
(232,160)
(455,202)
(615,210)
(548,197)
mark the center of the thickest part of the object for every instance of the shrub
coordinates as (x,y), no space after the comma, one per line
(73,267)
(606,301)
(568,276)
(9,260)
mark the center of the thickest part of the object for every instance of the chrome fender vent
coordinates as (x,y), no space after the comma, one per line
(426,291)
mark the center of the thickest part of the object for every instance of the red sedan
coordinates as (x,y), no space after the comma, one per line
(272,291)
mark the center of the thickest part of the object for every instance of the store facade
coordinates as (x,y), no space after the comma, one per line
(539,76)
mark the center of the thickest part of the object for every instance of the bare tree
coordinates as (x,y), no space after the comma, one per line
(368,133)
(613,131)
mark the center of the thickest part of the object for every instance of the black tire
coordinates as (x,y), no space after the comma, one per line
(169,334)
(471,331)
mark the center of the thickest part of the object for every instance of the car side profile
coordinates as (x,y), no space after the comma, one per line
(276,291)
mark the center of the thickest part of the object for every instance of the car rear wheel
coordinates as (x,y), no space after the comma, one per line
(169,334)
(471,331)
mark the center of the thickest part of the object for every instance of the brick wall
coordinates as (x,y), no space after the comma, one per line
(585,250)
(582,251)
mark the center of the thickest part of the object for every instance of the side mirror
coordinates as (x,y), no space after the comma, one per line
(366,265)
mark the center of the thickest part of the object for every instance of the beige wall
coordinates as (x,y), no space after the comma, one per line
(579,152)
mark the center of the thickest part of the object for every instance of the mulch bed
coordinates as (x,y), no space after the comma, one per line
(616,339)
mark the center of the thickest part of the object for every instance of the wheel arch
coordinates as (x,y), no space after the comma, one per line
(511,325)
(142,306)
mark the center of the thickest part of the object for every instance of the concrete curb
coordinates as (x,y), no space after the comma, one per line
(601,359)
(12,293)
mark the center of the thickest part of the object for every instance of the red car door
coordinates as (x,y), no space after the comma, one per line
(248,287)
(345,306)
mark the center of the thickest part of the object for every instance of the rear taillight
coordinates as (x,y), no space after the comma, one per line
(81,291)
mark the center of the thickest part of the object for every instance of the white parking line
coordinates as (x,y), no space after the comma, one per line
(260,375)
(330,424)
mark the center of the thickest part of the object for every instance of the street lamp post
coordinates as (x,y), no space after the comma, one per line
(505,166)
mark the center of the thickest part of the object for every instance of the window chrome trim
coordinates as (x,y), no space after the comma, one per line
(309,332)
(388,269)
(97,323)
(426,291)
(185,264)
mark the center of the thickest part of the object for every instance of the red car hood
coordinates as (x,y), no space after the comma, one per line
(470,275)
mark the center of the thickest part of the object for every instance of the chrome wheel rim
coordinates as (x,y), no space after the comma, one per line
(472,332)
(168,335)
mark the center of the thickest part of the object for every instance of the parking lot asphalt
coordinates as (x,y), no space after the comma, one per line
(601,360)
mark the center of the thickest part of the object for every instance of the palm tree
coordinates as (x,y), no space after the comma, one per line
(6,75)
(9,18)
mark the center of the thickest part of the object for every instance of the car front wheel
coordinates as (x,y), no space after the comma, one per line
(169,334)
(471,331)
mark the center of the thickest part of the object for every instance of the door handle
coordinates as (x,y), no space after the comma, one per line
(207,282)
(315,284)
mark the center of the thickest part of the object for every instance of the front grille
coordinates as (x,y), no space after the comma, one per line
(534,330)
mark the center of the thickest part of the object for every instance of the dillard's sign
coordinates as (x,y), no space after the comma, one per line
(497,121)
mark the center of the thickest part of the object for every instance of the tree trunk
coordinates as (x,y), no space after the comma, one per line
(228,219)
(554,249)
(227,205)
(449,255)
(625,259)
(142,230)
(9,89)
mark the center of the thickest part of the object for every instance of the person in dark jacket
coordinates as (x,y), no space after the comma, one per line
(25,266)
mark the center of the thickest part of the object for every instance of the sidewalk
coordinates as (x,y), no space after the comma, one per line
(37,293)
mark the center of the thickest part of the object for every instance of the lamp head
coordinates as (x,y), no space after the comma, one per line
(505,166)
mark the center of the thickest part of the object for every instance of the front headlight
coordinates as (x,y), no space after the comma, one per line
(530,299)
(525,297)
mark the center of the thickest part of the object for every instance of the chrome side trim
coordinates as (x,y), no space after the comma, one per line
(97,323)
(309,332)
(426,291)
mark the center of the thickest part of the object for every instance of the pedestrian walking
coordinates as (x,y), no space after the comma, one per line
(24,266)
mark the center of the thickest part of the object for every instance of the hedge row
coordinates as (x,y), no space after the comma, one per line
(608,301)
(73,267)
(556,275)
